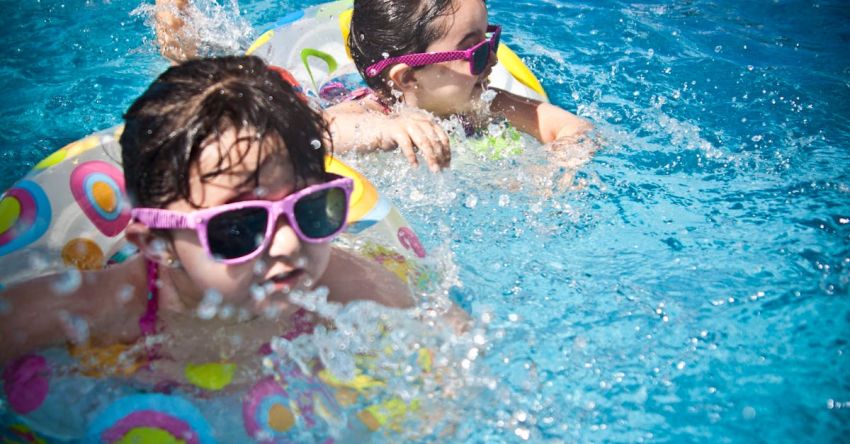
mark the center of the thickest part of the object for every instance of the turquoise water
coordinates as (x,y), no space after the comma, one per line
(692,286)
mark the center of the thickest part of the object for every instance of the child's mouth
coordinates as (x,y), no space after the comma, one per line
(284,281)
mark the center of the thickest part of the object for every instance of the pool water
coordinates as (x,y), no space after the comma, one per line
(691,282)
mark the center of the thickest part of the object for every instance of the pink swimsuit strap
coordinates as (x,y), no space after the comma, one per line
(147,323)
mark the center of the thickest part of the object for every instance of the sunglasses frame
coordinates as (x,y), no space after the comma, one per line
(198,220)
(430,58)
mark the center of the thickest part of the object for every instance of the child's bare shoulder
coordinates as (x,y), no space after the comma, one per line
(351,277)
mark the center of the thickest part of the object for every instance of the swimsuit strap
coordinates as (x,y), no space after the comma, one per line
(147,323)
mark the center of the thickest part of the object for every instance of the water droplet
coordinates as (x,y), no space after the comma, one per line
(125,293)
(38,262)
(718,48)
(757,138)
(580,342)
(260,267)
(523,433)
(76,327)
(227,311)
(158,246)
(471,201)
(504,200)
(316,144)
(521,415)
(258,293)
(67,282)
(385,55)
(208,307)
(486,317)
(488,95)
(748,412)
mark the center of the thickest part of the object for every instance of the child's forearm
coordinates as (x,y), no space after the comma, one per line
(353,125)
(352,130)
(544,121)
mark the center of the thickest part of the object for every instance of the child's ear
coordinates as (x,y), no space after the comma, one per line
(402,77)
(152,246)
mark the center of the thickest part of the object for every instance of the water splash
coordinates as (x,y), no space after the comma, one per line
(210,28)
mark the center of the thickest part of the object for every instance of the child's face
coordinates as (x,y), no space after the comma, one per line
(288,262)
(448,88)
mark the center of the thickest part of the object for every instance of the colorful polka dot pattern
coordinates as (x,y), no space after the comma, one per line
(151,418)
(26,382)
(267,410)
(25,215)
(98,188)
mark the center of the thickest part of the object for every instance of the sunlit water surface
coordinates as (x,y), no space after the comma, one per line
(691,284)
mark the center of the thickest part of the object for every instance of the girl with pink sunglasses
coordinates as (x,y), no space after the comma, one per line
(233,209)
(434,56)
(422,60)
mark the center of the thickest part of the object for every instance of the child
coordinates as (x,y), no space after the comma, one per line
(233,209)
(434,57)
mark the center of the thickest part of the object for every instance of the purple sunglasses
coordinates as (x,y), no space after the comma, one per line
(240,231)
(478,56)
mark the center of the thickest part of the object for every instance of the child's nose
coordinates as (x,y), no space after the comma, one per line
(285,242)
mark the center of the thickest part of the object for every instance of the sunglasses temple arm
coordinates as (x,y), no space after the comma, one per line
(162,219)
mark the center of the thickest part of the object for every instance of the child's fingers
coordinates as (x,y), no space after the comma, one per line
(406,146)
(423,137)
(437,143)
(443,145)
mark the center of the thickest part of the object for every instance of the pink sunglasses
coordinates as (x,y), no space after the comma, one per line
(240,231)
(478,56)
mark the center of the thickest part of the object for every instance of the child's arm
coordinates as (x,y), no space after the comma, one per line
(174,43)
(41,313)
(362,126)
(544,121)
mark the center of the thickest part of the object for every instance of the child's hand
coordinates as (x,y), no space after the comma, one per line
(412,132)
(175,43)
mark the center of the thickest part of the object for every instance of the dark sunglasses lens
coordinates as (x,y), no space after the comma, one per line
(322,213)
(480,59)
(237,233)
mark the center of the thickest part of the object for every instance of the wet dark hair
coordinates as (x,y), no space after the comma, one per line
(189,104)
(390,28)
